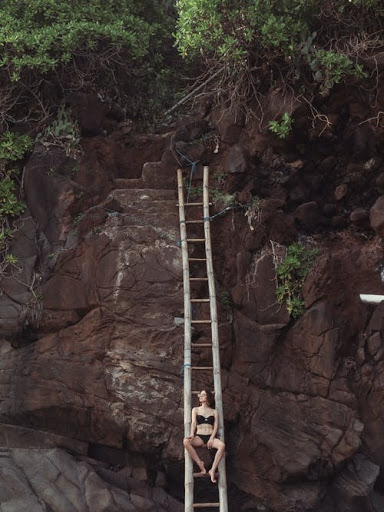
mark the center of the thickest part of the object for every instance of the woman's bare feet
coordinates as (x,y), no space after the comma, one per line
(212,475)
(202,467)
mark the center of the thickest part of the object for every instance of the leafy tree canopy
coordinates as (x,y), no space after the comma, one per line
(41,34)
(307,43)
(116,48)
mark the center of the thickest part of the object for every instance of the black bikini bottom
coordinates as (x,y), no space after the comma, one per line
(205,438)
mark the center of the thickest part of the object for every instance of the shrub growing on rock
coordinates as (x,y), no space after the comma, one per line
(309,44)
(291,275)
(283,127)
(42,34)
(13,147)
(107,48)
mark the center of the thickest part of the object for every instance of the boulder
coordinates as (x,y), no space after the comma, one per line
(358,477)
(360,217)
(308,216)
(376,216)
(341,191)
(95,117)
(237,160)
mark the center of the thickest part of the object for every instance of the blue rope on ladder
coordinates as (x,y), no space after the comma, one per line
(191,163)
(182,371)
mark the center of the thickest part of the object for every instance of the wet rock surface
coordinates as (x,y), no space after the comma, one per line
(43,477)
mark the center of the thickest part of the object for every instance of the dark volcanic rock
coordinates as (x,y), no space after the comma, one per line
(358,478)
(92,325)
(43,477)
(360,217)
(237,160)
(376,215)
(308,216)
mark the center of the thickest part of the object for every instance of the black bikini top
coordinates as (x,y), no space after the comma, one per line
(202,419)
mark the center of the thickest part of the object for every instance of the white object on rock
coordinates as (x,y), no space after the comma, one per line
(371,299)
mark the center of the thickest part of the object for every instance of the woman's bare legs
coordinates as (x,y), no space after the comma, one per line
(189,446)
(220,447)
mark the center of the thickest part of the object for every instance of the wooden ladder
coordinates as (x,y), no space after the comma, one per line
(188,345)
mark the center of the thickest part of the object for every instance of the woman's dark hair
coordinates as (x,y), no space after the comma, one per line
(210,398)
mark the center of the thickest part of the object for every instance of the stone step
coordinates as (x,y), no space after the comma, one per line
(154,221)
(135,183)
(144,195)
(134,212)
(153,206)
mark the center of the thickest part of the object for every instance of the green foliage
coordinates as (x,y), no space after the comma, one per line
(218,197)
(221,199)
(41,34)
(13,146)
(159,90)
(213,27)
(283,128)
(63,132)
(255,202)
(297,41)
(9,204)
(331,68)
(120,50)
(253,211)
(220,177)
(8,262)
(10,258)
(77,219)
(291,275)
(226,300)
(6,235)
(283,31)
(192,190)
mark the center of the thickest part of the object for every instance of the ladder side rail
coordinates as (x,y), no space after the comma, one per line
(215,339)
(188,478)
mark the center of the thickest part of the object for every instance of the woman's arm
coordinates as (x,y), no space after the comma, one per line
(215,428)
(193,422)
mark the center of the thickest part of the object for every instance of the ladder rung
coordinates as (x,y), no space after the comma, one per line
(194,204)
(194,222)
(201,321)
(195,239)
(200,300)
(197,393)
(204,505)
(202,368)
(201,344)
(198,278)
(197,259)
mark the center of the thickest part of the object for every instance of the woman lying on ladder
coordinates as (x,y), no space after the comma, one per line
(205,422)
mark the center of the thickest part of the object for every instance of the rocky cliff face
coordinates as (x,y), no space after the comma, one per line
(91,322)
